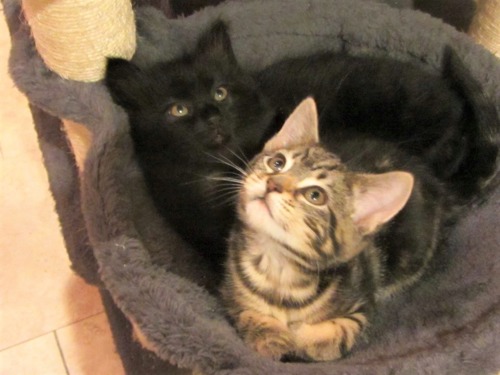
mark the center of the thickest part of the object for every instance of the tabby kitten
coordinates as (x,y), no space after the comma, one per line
(321,237)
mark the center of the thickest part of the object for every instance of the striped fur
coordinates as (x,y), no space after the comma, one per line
(283,288)
(304,271)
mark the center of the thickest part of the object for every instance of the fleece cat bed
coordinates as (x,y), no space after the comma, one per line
(448,324)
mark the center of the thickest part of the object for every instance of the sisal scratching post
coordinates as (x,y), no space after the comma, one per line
(485,27)
(75,36)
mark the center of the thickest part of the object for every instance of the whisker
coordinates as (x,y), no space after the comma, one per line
(249,167)
(229,191)
(222,199)
(221,203)
(194,181)
(226,161)
(215,197)
(225,193)
(228,185)
(226,179)
(241,157)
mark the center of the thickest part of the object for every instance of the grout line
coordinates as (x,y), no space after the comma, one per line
(25,341)
(61,353)
(49,332)
(80,320)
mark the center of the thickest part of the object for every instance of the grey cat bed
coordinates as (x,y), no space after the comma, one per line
(448,324)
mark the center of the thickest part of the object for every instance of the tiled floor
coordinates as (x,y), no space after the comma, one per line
(51,322)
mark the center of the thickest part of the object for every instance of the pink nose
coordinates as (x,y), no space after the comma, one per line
(274,186)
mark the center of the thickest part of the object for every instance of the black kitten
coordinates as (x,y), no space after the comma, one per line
(189,117)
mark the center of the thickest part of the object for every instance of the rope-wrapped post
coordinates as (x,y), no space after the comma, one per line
(74,37)
(485,27)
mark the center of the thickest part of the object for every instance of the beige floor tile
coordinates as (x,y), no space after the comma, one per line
(40,356)
(38,291)
(41,300)
(88,348)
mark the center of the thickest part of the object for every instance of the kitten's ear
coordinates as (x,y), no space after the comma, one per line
(300,128)
(216,44)
(123,80)
(379,197)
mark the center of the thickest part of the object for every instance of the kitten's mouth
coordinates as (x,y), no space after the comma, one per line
(219,140)
(261,205)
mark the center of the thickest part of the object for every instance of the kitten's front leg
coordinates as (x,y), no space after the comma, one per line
(329,340)
(265,334)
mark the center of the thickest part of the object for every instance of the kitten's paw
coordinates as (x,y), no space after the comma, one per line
(316,347)
(329,340)
(324,351)
(266,335)
(273,345)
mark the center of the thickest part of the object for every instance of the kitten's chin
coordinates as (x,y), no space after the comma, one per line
(257,209)
(258,216)
(218,143)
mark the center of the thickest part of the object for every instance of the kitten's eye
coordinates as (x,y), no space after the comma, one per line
(277,162)
(220,94)
(315,195)
(178,110)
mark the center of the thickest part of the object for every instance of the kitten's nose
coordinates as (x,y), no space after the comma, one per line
(214,120)
(220,138)
(281,183)
(274,186)
(211,114)
(219,134)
